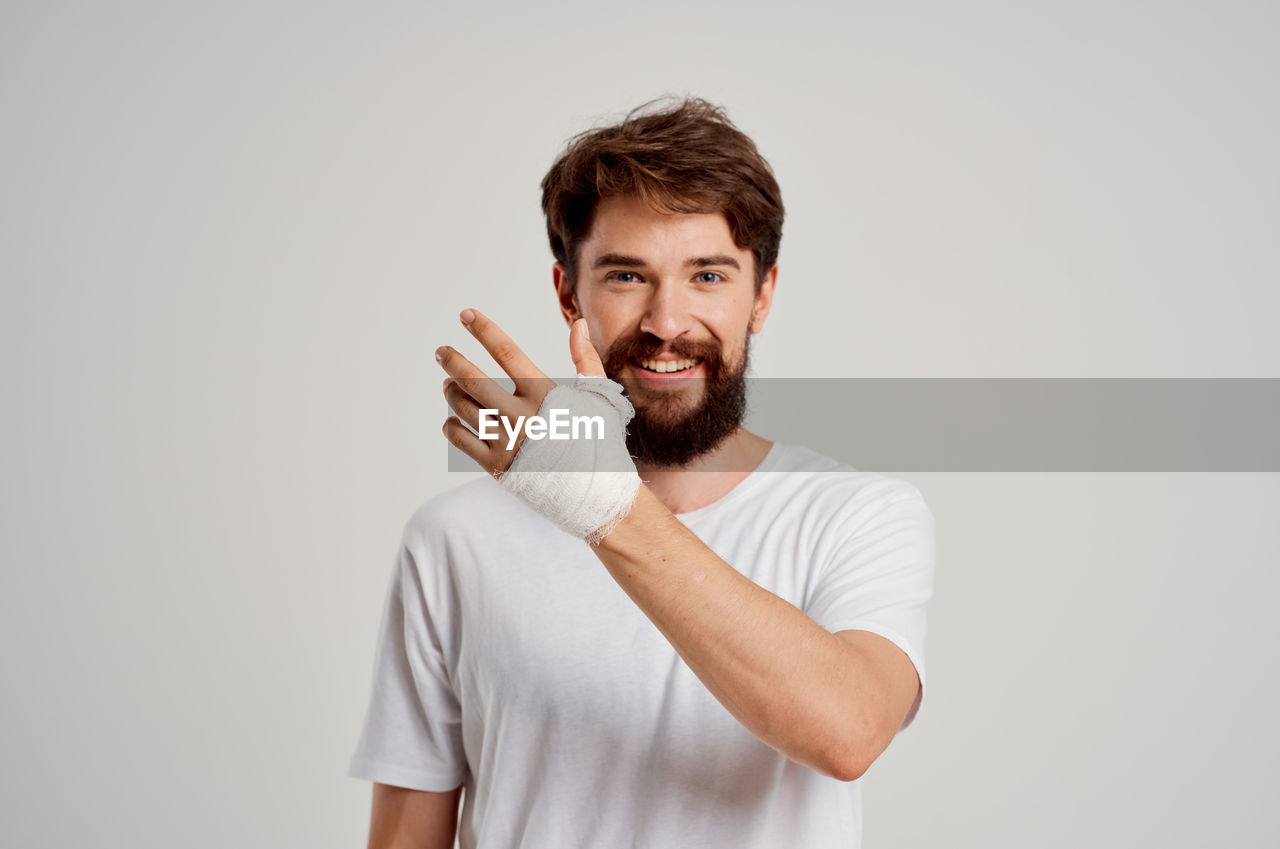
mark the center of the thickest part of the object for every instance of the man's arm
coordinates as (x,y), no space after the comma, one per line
(413,819)
(830,701)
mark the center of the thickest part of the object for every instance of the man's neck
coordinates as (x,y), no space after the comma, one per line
(708,477)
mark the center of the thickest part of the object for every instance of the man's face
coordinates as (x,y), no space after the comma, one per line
(670,302)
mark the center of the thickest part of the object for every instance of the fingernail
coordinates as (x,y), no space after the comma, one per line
(440,352)
(586,334)
(468,316)
(445,385)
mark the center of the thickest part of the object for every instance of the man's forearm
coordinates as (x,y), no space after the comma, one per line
(804,691)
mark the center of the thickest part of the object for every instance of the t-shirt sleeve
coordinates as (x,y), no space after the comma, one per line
(879,574)
(412,734)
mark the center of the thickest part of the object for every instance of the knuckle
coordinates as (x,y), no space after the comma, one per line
(455,396)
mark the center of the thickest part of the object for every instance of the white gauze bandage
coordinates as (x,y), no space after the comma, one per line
(586,486)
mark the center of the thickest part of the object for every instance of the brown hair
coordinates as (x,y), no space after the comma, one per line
(685,158)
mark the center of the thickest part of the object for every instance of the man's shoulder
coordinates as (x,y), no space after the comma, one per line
(476,507)
(817,473)
(824,484)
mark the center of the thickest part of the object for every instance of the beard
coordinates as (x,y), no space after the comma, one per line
(669,431)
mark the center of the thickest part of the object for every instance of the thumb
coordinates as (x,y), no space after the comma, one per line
(585,358)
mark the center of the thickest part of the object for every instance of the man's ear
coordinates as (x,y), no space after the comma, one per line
(568,298)
(764,300)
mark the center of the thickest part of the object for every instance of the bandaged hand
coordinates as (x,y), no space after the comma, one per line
(560,449)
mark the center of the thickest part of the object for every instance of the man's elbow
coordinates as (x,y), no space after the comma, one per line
(847,767)
(850,759)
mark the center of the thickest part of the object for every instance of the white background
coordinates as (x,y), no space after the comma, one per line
(232,234)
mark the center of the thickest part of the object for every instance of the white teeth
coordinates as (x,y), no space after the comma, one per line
(667,366)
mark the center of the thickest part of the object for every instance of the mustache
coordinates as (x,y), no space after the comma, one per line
(648,346)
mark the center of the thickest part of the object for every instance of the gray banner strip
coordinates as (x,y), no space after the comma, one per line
(1021,424)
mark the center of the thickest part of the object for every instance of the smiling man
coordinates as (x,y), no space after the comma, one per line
(686,636)
(662,339)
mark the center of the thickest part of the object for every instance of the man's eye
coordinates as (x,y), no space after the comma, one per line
(709,277)
(624,277)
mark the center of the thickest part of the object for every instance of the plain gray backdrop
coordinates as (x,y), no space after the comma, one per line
(232,234)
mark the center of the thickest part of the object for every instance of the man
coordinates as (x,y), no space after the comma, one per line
(741,636)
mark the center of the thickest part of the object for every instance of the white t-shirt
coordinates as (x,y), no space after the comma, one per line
(509,659)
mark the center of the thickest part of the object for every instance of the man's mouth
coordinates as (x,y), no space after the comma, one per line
(667,366)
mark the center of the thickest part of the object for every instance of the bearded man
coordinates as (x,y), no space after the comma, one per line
(704,643)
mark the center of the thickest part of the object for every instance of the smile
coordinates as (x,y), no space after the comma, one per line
(667,366)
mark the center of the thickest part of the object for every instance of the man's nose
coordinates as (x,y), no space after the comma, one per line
(667,315)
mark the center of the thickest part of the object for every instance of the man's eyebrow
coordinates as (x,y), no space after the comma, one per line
(718,259)
(618,259)
(628,261)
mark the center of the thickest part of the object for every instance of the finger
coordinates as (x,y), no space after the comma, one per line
(472,380)
(585,358)
(468,443)
(505,352)
(462,404)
